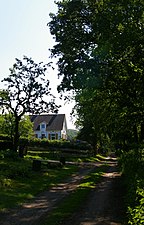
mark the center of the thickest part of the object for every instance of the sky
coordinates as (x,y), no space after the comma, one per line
(24,31)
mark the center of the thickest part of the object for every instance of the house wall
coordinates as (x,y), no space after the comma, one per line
(52,135)
(49,134)
(64,130)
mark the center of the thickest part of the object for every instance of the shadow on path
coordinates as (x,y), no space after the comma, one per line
(105,205)
(31,212)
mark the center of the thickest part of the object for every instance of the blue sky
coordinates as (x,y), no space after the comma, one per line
(24,31)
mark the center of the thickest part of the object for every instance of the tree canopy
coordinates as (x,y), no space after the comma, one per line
(90,32)
(7,126)
(100,46)
(27,91)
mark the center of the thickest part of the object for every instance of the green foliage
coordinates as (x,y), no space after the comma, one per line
(100,48)
(55,149)
(26,91)
(136,214)
(132,165)
(19,183)
(7,126)
(26,127)
(8,154)
(16,170)
(88,37)
(5,182)
(4,137)
(72,134)
(59,144)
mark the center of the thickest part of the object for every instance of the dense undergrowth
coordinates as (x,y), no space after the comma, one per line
(132,165)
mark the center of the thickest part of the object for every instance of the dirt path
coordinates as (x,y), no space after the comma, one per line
(105,205)
(102,206)
(31,213)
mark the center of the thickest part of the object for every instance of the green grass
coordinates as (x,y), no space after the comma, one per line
(66,208)
(74,201)
(19,183)
(97,158)
(43,154)
(69,157)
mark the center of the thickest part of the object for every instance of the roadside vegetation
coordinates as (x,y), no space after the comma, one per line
(100,56)
(132,165)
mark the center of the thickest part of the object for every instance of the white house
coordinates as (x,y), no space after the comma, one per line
(50,126)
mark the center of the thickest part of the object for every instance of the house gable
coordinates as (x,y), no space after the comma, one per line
(51,126)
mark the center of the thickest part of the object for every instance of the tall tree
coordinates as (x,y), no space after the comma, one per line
(101,44)
(27,91)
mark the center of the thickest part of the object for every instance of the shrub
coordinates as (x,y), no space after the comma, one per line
(59,144)
(4,137)
(136,214)
(132,165)
(5,182)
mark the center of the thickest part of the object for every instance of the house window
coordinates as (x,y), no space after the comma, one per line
(43,126)
(52,136)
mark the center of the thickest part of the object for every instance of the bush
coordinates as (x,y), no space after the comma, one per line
(5,182)
(59,144)
(132,165)
(136,214)
(4,137)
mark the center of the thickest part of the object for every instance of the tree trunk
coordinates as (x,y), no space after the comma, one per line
(16,135)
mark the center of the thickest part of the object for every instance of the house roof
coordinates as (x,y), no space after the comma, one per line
(53,121)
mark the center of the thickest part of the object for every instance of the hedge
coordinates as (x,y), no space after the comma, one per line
(7,143)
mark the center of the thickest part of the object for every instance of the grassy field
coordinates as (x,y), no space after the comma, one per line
(19,183)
